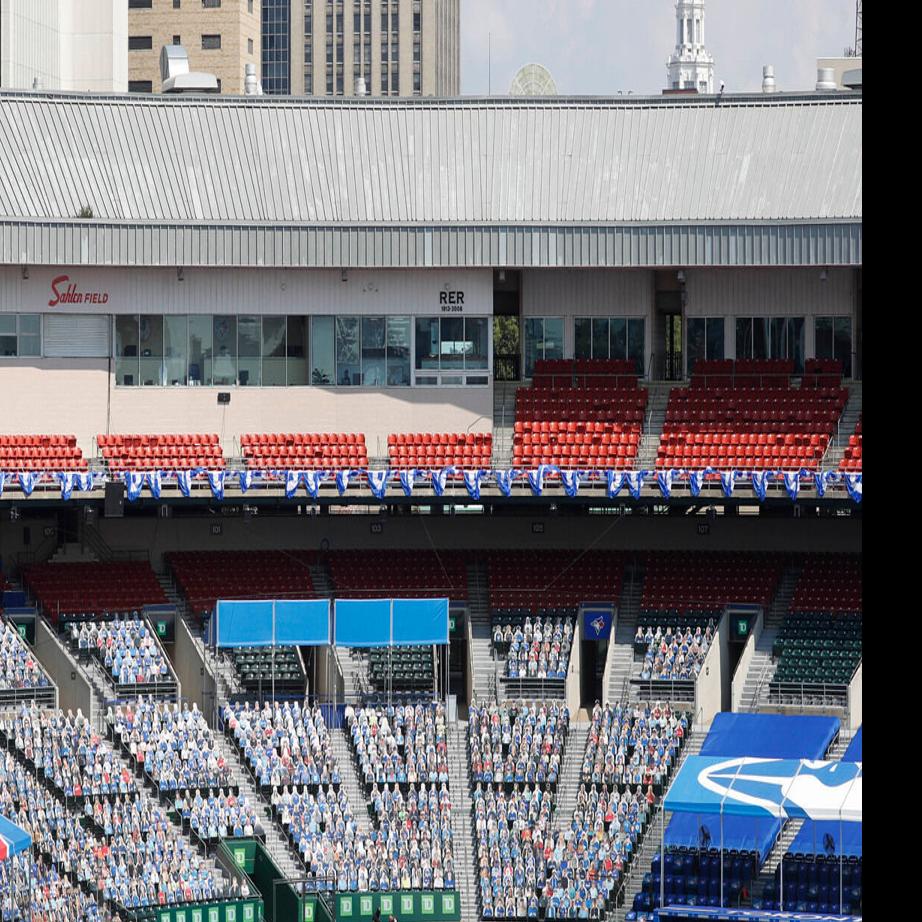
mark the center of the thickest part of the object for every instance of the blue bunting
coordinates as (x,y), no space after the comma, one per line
(312,481)
(216,482)
(134,480)
(760,483)
(853,485)
(472,482)
(822,478)
(635,481)
(536,478)
(614,482)
(85,481)
(377,481)
(67,484)
(184,482)
(292,482)
(664,479)
(792,483)
(153,479)
(440,478)
(504,480)
(407,479)
(2,481)
(246,480)
(696,480)
(342,479)
(571,480)
(727,480)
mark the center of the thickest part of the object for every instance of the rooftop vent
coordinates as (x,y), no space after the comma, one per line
(825,80)
(768,79)
(251,86)
(175,74)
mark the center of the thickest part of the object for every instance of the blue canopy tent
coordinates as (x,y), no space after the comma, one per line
(17,882)
(745,786)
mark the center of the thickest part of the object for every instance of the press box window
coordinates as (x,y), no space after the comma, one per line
(543,340)
(448,347)
(704,340)
(140,42)
(20,335)
(211,42)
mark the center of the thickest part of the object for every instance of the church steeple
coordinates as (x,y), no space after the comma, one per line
(690,66)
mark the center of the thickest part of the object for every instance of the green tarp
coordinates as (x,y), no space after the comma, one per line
(407,906)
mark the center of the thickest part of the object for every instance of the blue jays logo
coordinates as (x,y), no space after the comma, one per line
(787,788)
(598,625)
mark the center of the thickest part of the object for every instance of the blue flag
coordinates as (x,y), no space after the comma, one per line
(504,480)
(292,482)
(760,483)
(312,481)
(440,478)
(853,485)
(184,482)
(246,479)
(134,480)
(727,481)
(571,481)
(216,482)
(154,480)
(472,482)
(343,476)
(792,483)
(407,479)
(614,482)
(377,481)
(822,478)
(664,479)
(635,481)
(696,480)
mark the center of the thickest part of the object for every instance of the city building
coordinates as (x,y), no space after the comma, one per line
(375,47)
(690,66)
(61,45)
(221,37)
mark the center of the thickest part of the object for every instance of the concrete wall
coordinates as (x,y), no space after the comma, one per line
(712,692)
(460,532)
(575,671)
(73,693)
(67,45)
(855,708)
(195,678)
(742,666)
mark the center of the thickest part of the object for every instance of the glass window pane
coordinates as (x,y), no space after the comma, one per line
(322,365)
(582,338)
(398,351)
(249,336)
(635,342)
(697,342)
(30,324)
(348,369)
(823,345)
(744,337)
(453,345)
(778,338)
(175,343)
(201,334)
(427,343)
(224,371)
(795,343)
(534,343)
(760,337)
(476,334)
(8,324)
(273,351)
(151,345)
(374,373)
(297,350)
(715,338)
(842,347)
(553,337)
(600,337)
(618,339)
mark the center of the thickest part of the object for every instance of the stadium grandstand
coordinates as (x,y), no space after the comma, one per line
(442,508)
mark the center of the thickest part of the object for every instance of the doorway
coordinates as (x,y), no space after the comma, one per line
(507,325)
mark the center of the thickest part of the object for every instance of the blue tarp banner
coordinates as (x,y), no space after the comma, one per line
(298,622)
(420,621)
(772,736)
(362,622)
(681,913)
(13,840)
(766,788)
(243,624)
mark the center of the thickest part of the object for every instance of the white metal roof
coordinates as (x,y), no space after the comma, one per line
(240,162)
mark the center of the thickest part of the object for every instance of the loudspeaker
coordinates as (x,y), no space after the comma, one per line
(115,501)
(223,397)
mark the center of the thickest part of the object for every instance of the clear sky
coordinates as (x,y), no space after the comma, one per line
(603,46)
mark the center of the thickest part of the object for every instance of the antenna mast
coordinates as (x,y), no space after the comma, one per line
(858,28)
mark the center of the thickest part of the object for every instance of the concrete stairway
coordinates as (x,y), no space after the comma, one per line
(570,775)
(486,683)
(782,844)
(74,552)
(658,397)
(761,668)
(352,784)
(503,421)
(353,663)
(847,422)
(649,847)
(837,749)
(277,843)
(462,827)
(622,648)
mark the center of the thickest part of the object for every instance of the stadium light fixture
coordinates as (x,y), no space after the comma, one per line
(180,275)
(680,275)
(824,276)
(25,272)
